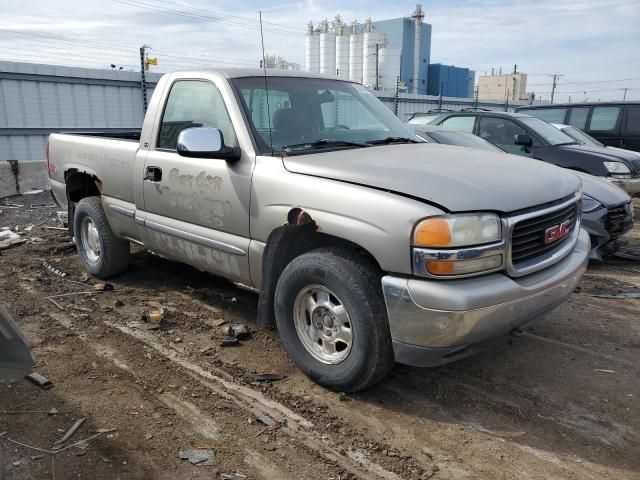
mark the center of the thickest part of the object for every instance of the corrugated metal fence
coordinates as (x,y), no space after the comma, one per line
(36,100)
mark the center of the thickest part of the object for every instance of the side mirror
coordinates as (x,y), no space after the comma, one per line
(205,142)
(523,139)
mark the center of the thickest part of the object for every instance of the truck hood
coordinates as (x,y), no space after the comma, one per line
(599,189)
(606,154)
(455,178)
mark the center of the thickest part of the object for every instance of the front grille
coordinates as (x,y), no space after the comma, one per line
(528,236)
(618,220)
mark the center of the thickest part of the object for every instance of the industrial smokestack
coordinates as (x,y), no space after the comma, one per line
(418,16)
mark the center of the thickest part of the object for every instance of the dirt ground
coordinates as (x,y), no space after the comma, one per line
(560,402)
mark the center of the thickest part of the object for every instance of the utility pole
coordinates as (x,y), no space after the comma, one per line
(506,102)
(395,107)
(475,103)
(440,99)
(377,58)
(555,76)
(513,90)
(143,77)
(625,93)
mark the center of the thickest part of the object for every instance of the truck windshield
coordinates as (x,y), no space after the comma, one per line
(547,131)
(303,115)
(581,137)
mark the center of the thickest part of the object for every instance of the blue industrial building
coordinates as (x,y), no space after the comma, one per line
(454,81)
(400,34)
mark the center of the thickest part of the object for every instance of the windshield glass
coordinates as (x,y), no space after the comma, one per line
(422,119)
(307,114)
(463,139)
(547,131)
(581,137)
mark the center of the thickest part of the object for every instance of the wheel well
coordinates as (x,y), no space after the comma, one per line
(79,185)
(299,235)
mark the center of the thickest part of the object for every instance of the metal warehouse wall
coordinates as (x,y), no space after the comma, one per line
(410,103)
(38,99)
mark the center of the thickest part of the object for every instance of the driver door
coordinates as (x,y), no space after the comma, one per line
(197,208)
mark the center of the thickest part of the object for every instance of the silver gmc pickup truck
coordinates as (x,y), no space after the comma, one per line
(367,247)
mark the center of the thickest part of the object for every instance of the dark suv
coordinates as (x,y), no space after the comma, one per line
(616,124)
(529,136)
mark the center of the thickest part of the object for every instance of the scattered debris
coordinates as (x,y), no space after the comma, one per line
(342,396)
(627,255)
(56,303)
(232,476)
(74,428)
(53,269)
(43,205)
(118,303)
(55,228)
(153,316)
(220,322)
(604,370)
(17,463)
(269,377)
(39,380)
(620,295)
(239,331)
(103,287)
(11,205)
(33,192)
(9,239)
(67,247)
(200,457)
(229,342)
(28,229)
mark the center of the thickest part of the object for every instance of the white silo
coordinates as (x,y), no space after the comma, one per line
(312,50)
(342,49)
(327,49)
(355,54)
(388,68)
(417,17)
(371,42)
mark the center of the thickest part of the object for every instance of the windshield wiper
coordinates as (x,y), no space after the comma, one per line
(388,140)
(325,142)
(566,143)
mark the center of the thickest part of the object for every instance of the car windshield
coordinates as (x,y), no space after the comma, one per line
(463,139)
(302,115)
(581,137)
(547,131)
(424,119)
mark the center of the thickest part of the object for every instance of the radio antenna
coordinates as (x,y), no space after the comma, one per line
(266,85)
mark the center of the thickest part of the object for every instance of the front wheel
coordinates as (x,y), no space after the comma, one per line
(332,319)
(101,252)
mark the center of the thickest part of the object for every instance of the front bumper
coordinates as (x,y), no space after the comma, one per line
(604,227)
(629,185)
(436,322)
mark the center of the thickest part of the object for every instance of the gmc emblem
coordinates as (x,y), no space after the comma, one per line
(557,232)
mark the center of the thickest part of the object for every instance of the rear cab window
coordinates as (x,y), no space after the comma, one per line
(578,117)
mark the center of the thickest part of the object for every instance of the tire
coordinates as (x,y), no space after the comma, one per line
(101,252)
(351,282)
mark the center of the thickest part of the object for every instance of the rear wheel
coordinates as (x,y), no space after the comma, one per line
(332,320)
(101,252)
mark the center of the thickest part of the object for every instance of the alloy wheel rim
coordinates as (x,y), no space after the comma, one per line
(90,239)
(323,324)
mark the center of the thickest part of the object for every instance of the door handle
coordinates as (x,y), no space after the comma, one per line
(153,174)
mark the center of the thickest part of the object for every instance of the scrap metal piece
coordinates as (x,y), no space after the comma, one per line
(53,269)
(627,255)
(269,377)
(39,380)
(74,428)
(200,457)
(16,359)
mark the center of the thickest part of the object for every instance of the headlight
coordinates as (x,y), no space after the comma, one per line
(589,204)
(458,230)
(617,168)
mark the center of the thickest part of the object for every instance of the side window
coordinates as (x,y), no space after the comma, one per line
(502,132)
(578,117)
(551,115)
(604,119)
(460,124)
(632,125)
(190,104)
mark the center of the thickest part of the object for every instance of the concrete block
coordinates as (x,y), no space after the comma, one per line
(21,176)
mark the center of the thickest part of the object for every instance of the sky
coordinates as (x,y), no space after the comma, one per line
(594,44)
